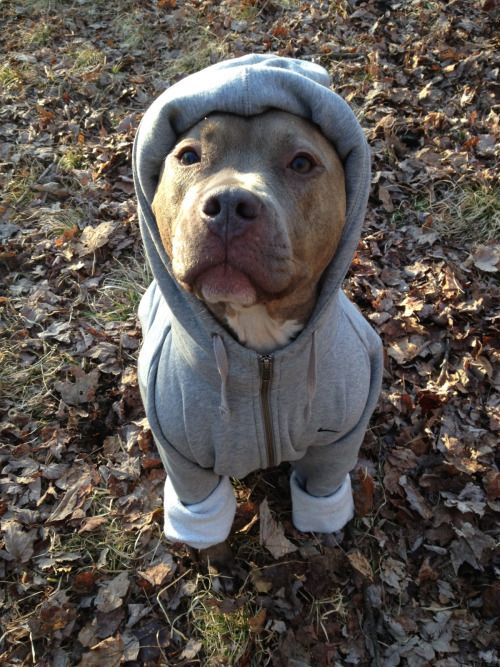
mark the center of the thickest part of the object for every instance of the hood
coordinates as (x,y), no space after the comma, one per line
(248,86)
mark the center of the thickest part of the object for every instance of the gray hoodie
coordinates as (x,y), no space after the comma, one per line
(216,408)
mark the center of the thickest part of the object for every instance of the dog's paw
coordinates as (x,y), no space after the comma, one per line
(219,564)
(330,540)
(218,559)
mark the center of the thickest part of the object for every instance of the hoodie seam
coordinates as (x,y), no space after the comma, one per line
(352,323)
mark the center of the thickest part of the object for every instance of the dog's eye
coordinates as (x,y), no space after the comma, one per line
(302,164)
(188,157)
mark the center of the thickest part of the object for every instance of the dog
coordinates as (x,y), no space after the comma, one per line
(250,229)
(252,180)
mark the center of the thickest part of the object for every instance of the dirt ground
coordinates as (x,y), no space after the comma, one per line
(86,578)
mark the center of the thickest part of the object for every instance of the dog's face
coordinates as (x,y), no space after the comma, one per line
(250,210)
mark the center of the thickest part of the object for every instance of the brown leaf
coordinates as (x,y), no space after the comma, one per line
(360,563)
(82,390)
(84,582)
(93,238)
(491,482)
(159,573)
(272,534)
(257,622)
(415,498)
(107,653)
(364,488)
(72,501)
(191,650)
(91,523)
(18,542)
(112,592)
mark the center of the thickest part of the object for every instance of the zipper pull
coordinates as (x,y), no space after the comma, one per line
(266,364)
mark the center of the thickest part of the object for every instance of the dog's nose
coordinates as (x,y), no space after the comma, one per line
(229,212)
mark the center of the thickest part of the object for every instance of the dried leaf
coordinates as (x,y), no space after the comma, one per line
(82,390)
(191,650)
(360,563)
(111,593)
(257,622)
(93,238)
(487,258)
(18,542)
(157,574)
(272,534)
(108,653)
(415,498)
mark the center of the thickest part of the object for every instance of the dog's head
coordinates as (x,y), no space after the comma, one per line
(250,210)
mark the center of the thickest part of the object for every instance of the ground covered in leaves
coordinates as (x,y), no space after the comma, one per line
(86,577)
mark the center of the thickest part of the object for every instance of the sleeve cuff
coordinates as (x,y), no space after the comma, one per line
(325,514)
(200,525)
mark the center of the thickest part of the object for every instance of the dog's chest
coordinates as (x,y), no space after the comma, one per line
(256,329)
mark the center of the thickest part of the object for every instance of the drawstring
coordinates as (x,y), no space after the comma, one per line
(311,378)
(222,362)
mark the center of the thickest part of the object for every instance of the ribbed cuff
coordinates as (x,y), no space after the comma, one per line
(200,525)
(325,514)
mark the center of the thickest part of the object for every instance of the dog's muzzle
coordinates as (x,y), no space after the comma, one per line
(231,211)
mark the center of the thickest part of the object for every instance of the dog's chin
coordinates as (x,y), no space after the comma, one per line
(225,284)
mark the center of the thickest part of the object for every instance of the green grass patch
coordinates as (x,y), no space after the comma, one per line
(121,291)
(229,636)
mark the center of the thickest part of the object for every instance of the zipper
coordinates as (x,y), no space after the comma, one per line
(266,376)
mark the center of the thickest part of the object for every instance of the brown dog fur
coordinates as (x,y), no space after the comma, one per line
(273,253)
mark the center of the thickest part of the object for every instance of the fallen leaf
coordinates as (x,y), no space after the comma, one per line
(487,258)
(360,563)
(111,593)
(108,653)
(272,534)
(72,501)
(191,650)
(82,390)
(159,573)
(91,523)
(93,238)
(257,622)
(364,489)
(415,498)
(18,542)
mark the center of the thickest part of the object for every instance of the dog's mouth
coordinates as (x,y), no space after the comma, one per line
(225,283)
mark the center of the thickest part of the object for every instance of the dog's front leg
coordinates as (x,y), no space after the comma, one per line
(218,561)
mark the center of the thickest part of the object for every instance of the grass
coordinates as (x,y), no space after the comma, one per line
(56,222)
(132,31)
(10,77)
(18,189)
(87,58)
(74,157)
(470,214)
(118,546)
(121,291)
(42,34)
(228,637)
(205,48)
(322,610)
(27,385)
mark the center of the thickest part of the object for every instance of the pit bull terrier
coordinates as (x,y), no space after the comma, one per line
(252,179)
(250,212)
